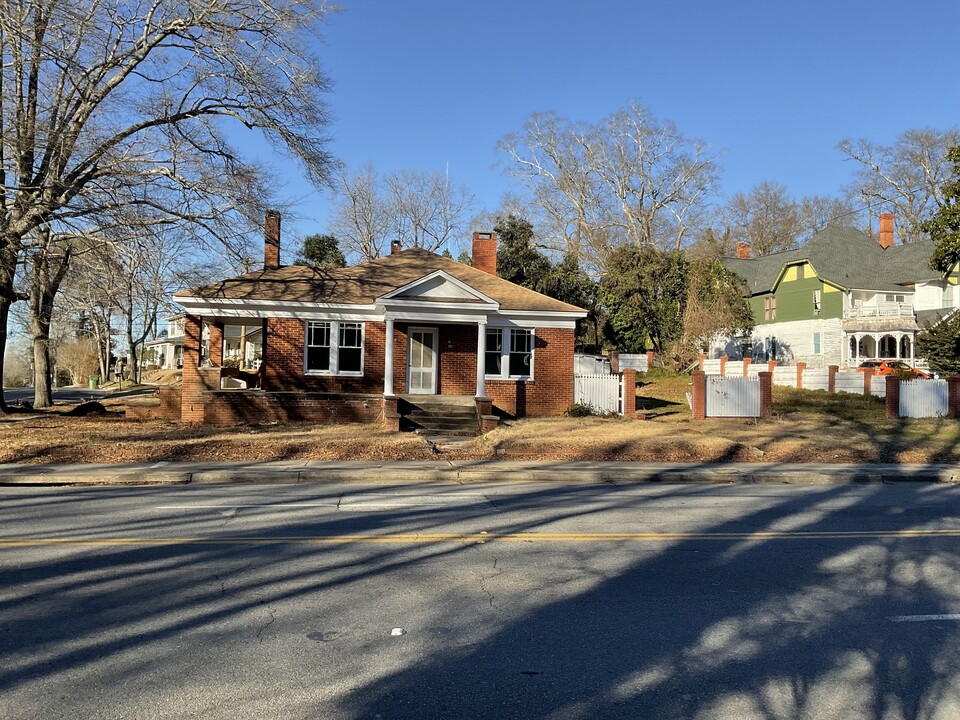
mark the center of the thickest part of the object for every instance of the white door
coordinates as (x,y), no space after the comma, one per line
(422,364)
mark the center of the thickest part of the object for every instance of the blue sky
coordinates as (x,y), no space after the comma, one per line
(773,85)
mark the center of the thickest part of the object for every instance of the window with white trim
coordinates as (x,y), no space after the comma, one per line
(817,344)
(494,356)
(509,353)
(333,348)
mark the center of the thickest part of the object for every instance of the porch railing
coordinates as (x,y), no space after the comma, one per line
(880,310)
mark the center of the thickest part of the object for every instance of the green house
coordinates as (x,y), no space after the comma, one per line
(840,299)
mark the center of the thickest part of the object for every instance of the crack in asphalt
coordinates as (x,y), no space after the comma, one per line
(483,580)
(226,576)
(273,618)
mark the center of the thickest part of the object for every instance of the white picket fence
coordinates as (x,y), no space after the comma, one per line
(732,396)
(604,393)
(923,398)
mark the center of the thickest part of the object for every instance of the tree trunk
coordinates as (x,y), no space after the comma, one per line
(5,303)
(132,345)
(8,267)
(49,270)
(42,390)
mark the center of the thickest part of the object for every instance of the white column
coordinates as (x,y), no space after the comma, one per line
(913,341)
(388,360)
(481,357)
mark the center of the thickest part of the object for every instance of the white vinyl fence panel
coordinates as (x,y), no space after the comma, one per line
(849,382)
(601,392)
(785,375)
(878,386)
(732,397)
(711,367)
(753,371)
(590,364)
(816,379)
(634,361)
(923,398)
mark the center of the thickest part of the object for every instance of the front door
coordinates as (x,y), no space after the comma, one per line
(422,363)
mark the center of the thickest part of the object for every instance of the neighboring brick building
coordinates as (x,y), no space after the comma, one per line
(345,343)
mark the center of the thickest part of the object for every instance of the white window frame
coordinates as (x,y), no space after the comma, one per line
(506,344)
(334,370)
(817,301)
(817,340)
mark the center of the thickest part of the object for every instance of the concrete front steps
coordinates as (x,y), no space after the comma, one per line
(447,415)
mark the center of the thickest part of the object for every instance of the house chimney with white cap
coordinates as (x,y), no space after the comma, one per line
(485,252)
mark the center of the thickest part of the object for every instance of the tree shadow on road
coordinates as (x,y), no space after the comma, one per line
(703,624)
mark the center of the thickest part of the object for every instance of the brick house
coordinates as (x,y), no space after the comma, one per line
(360,343)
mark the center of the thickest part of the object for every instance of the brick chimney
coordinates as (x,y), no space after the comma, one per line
(395,247)
(743,250)
(886,230)
(271,240)
(485,252)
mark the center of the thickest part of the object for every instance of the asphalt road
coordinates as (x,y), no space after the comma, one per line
(65,395)
(514,601)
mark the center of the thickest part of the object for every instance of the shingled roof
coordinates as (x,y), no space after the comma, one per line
(846,257)
(363,284)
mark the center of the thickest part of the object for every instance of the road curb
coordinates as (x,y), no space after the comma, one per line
(406,473)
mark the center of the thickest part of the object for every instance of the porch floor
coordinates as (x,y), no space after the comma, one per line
(415,399)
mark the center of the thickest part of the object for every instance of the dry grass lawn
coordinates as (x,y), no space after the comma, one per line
(807,427)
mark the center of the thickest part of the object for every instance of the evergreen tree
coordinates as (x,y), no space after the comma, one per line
(464,258)
(517,259)
(644,292)
(940,345)
(944,226)
(320,252)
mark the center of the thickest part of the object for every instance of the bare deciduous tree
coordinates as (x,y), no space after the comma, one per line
(418,208)
(427,208)
(361,216)
(906,177)
(820,211)
(766,218)
(105,105)
(627,179)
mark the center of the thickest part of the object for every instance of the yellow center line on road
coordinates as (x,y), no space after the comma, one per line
(483,537)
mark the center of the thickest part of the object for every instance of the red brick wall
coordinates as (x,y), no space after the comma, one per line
(238,407)
(283,361)
(215,344)
(551,390)
(191,409)
(458,360)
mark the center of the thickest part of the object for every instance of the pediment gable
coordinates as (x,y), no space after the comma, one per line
(438,286)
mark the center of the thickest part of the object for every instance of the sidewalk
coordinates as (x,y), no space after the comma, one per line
(306,471)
